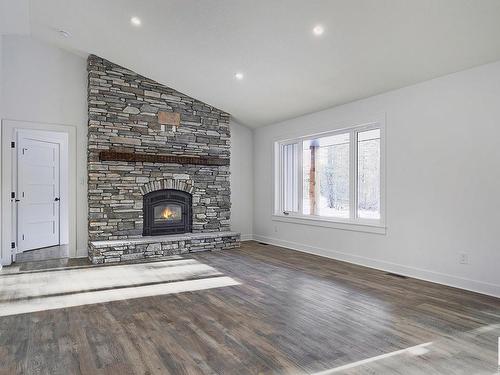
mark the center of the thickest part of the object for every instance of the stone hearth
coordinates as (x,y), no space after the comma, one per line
(158,246)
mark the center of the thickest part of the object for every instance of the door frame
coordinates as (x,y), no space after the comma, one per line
(8,220)
(52,137)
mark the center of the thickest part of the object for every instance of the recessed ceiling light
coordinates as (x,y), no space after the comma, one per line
(64,33)
(136,21)
(318,30)
(239,76)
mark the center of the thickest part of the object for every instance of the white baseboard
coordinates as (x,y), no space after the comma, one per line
(417,273)
(246,237)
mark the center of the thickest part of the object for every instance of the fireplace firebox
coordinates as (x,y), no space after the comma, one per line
(167,211)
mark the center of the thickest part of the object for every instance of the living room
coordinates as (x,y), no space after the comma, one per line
(252,187)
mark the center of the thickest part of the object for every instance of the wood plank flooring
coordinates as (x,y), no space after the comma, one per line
(293,313)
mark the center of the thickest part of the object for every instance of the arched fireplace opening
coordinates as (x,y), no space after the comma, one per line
(167,211)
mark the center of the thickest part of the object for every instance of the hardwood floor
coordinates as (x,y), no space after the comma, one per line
(293,313)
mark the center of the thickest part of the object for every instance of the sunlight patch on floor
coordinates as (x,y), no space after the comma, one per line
(452,354)
(39,291)
(413,350)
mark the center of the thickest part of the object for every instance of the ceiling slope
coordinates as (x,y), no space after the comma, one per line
(196,47)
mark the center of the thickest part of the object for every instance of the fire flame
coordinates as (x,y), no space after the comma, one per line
(167,213)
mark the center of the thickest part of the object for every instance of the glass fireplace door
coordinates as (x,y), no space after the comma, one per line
(167,213)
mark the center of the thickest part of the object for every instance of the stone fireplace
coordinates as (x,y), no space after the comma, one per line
(158,169)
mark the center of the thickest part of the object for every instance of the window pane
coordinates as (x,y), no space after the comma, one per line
(306,178)
(290,178)
(326,176)
(369,174)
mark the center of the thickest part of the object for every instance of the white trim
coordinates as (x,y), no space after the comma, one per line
(246,237)
(417,273)
(344,224)
(8,128)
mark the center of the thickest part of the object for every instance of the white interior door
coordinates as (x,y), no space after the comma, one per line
(38,184)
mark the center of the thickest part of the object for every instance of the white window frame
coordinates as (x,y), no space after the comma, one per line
(353,222)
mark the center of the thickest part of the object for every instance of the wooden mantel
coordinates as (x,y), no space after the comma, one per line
(165,159)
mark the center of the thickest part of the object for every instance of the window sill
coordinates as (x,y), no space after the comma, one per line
(367,227)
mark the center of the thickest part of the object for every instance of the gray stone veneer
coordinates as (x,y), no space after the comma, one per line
(123,111)
(158,246)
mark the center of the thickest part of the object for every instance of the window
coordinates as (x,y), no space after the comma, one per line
(369,174)
(290,162)
(335,177)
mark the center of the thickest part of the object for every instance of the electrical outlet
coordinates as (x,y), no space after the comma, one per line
(464,258)
(276,229)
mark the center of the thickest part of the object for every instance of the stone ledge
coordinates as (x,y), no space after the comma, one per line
(168,238)
(111,251)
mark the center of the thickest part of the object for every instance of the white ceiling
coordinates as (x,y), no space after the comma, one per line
(369,46)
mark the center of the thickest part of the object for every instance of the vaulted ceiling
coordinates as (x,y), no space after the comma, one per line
(196,47)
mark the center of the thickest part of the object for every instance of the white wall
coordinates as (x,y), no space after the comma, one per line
(241,180)
(1,116)
(45,84)
(1,71)
(443,182)
(14,17)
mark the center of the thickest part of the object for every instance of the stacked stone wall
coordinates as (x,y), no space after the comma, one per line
(123,109)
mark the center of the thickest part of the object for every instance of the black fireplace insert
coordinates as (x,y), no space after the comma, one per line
(167,211)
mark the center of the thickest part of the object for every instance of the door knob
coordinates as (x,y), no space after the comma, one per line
(57,199)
